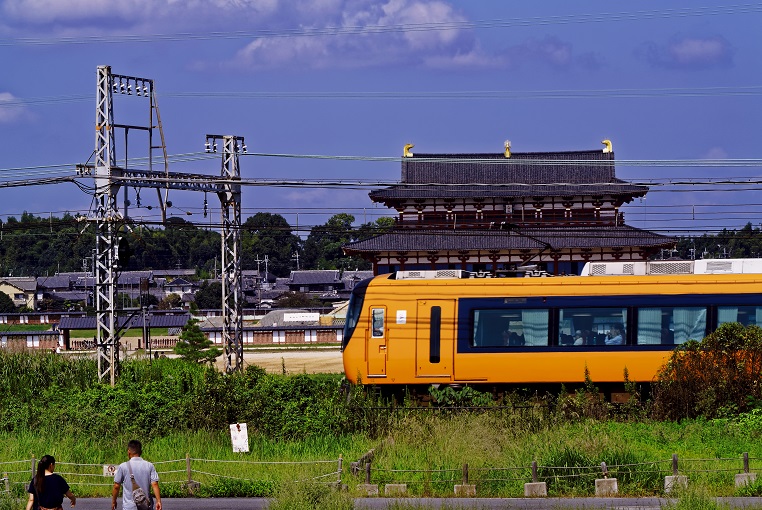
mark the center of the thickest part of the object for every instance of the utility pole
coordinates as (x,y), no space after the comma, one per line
(232,288)
(106,219)
(109,178)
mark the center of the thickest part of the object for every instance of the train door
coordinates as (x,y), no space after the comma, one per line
(376,341)
(435,338)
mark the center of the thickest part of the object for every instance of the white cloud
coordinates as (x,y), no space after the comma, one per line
(689,53)
(10,109)
(550,51)
(138,15)
(716,153)
(365,46)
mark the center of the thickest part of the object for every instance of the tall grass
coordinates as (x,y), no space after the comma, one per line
(50,405)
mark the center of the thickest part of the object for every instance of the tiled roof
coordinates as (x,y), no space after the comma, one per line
(58,281)
(155,321)
(23,283)
(493,175)
(531,239)
(178,282)
(69,295)
(315,277)
(577,167)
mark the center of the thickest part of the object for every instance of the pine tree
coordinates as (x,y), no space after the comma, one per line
(193,345)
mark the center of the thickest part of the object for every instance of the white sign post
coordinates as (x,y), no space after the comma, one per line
(240,437)
(110,470)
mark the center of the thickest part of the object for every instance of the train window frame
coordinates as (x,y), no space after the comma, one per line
(467,307)
(435,334)
(739,311)
(377,330)
(596,325)
(670,331)
(498,328)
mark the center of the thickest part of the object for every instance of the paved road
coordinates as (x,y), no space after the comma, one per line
(432,503)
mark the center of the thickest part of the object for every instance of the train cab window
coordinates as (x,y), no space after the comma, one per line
(510,328)
(667,325)
(377,319)
(592,326)
(745,315)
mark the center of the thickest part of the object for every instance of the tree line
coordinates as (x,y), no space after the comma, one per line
(38,246)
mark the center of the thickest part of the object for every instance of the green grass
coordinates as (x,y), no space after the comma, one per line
(638,455)
(232,474)
(25,327)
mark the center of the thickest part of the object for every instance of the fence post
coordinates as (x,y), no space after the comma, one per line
(535,489)
(606,486)
(188,469)
(465,489)
(7,482)
(34,466)
(338,482)
(367,473)
(746,477)
(675,481)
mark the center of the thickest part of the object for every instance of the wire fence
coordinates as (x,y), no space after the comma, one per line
(189,474)
(495,480)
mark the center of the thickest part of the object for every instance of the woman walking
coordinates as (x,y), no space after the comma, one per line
(47,489)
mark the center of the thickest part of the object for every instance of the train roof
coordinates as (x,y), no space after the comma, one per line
(628,268)
(673,267)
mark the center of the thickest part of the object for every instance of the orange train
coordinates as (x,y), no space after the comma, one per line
(449,328)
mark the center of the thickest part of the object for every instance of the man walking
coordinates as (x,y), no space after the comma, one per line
(145,474)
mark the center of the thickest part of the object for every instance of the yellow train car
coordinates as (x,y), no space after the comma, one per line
(449,328)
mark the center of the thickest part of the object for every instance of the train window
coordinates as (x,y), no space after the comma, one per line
(377,318)
(669,325)
(434,334)
(746,315)
(510,328)
(592,326)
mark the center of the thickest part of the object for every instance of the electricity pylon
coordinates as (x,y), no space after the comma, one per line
(109,178)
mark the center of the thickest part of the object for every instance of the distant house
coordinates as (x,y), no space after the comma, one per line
(319,281)
(23,291)
(179,286)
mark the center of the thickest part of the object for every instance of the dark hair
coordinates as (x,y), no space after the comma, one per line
(39,480)
(135,447)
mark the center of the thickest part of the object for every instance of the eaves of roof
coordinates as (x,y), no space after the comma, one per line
(525,239)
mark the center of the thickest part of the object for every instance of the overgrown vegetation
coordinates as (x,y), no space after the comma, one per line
(51,404)
(719,376)
(162,396)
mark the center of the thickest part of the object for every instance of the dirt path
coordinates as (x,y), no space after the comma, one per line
(295,361)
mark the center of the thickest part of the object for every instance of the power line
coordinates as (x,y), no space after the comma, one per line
(729,91)
(610,17)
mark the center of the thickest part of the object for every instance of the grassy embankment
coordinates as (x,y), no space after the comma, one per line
(51,405)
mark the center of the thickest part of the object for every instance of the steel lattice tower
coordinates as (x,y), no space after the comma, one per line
(106,218)
(109,178)
(232,291)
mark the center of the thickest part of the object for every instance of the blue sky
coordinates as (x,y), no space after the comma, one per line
(662,80)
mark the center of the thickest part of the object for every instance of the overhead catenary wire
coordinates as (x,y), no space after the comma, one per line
(627,93)
(599,17)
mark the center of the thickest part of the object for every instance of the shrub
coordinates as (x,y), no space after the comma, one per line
(718,376)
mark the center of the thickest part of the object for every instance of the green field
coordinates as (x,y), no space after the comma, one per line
(302,428)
